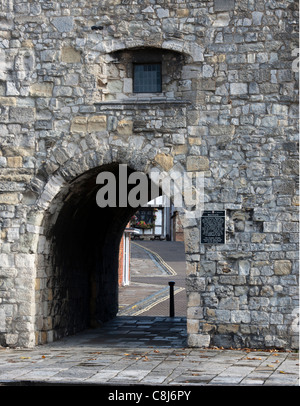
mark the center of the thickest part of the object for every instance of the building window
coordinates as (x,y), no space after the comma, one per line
(147,78)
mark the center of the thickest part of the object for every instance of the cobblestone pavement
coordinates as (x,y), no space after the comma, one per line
(145,349)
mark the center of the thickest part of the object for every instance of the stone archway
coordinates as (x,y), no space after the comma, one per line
(77,248)
(79,287)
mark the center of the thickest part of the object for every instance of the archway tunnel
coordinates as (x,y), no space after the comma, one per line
(81,265)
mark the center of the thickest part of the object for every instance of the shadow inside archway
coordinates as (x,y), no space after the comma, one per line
(80,288)
(138,332)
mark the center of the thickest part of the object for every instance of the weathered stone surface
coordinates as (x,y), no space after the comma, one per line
(223,5)
(125,127)
(165,161)
(63,24)
(197,163)
(228,108)
(22,115)
(14,161)
(97,123)
(70,55)
(79,124)
(199,340)
(282,267)
(41,89)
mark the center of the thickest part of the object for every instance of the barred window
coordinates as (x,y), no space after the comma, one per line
(147,78)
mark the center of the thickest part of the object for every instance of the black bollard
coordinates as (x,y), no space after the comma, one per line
(172,308)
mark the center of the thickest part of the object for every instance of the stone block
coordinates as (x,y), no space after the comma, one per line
(257,237)
(127,86)
(257,17)
(222,20)
(194,299)
(229,303)
(11,89)
(269,121)
(284,186)
(24,261)
(183,12)
(48,55)
(178,139)
(7,260)
(3,162)
(276,318)
(43,125)
(192,326)
(194,140)
(261,214)
(162,13)
(41,89)
(238,89)
(290,227)
(260,317)
(222,130)
(2,320)
(79,124)
(244,267)
(70,55)
(11,339)
(125,127)
(280,109)
(240,316)
(282,267)
(191,239)
(197,163)
(22,115)
(180,150)
(97,123)
(195,284)
(198,340)
(207,84)
(233,280)
(63,24)
(195,313)
(9,198)
(165,161)
(62,91)
(290,167)
(115,86)
(272,227)
(14,161)
(8,101)
(223,5)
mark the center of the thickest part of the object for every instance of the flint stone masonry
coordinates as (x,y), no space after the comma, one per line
(228,108)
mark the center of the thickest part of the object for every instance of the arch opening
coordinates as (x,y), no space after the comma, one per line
(78,271)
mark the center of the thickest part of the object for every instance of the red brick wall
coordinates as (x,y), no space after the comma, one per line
(121,256)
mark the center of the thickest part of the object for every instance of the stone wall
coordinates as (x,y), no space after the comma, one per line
(228,108)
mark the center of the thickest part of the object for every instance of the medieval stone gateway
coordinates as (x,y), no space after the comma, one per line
(206,86)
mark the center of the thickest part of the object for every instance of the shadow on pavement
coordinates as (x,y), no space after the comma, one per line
(140,332)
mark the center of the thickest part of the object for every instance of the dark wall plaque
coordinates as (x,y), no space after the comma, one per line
(213,227)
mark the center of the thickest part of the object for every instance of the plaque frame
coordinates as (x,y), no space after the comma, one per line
(218,218)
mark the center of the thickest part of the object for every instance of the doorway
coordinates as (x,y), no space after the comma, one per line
(77,272)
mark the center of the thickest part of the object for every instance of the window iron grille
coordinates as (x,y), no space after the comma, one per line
(147,78)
